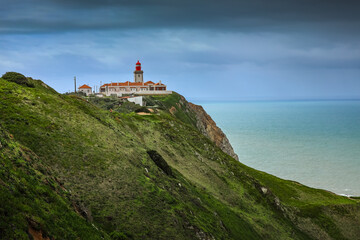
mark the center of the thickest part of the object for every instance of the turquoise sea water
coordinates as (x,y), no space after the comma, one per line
(315,143)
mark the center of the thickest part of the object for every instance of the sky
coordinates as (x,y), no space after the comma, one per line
(209,50)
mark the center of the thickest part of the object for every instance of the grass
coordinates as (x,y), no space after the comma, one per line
(102,159)
(31,198)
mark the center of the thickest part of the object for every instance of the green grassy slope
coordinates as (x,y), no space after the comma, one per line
(34,202)
(102,158)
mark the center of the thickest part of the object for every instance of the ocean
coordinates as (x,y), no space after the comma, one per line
(316,143)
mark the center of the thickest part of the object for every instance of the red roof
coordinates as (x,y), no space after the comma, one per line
(84,86)
(136,84)
(138,63)
(159,83)
(127,83)
(116,84)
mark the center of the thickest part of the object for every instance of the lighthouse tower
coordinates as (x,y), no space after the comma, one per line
(138,74)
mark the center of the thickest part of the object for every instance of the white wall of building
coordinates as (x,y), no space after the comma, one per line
(136,100)
(153,93)
(87,91)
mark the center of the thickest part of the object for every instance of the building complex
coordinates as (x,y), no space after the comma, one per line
(137,87)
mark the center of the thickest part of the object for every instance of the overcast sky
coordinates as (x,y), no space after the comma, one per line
(205,50)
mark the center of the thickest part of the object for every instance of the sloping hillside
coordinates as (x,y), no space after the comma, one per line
(158,176)
(33,203)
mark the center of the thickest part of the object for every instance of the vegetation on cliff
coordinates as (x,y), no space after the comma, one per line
(34,203)
(152,176)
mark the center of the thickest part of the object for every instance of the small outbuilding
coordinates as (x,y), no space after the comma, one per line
(85,89)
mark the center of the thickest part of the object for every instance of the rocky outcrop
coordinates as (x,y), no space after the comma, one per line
(195,115)
(36,234)
(208,127)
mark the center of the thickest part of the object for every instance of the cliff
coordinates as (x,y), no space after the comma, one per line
(72,169)
(197,116)
(208,127)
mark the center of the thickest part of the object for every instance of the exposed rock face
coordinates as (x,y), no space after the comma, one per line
(36,234)
(208,127)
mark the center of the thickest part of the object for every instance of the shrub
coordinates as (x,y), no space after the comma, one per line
(17,78)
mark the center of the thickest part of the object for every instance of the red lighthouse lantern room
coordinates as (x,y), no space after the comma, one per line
(138,66)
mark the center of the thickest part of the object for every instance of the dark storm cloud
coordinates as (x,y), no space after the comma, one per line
(234,15)
(275,49)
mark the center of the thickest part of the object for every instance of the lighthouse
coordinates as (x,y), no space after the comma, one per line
(138,74)
(138,87)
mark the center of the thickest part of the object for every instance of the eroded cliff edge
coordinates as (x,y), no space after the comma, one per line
(197,116)
(208,127)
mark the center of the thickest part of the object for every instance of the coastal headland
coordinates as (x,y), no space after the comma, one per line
(75,167)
